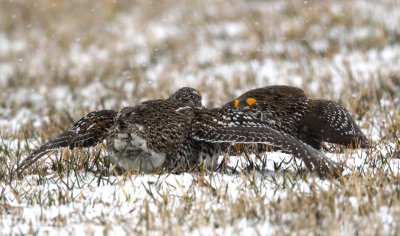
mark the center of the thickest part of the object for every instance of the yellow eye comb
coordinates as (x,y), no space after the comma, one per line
(251,101)
(236,103)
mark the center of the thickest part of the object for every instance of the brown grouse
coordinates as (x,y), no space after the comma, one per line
(287,109)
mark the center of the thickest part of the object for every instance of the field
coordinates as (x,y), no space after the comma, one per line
(62,59)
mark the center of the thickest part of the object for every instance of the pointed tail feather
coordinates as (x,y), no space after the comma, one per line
(87,132)
(61,142)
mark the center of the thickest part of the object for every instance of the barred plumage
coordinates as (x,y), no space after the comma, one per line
(231,125)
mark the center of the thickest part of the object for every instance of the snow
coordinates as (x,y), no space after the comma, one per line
(105,203)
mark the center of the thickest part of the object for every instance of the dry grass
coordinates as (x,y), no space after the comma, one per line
(62,59)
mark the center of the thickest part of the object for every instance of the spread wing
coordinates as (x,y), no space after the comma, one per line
(238,127)
(87,132)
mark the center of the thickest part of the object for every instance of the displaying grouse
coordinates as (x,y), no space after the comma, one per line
(287,109)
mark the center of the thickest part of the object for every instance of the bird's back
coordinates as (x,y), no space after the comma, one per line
(273,92)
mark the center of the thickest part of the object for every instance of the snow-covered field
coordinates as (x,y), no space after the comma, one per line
(62,59)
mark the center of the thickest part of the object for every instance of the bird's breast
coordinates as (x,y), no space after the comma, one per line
(131,152)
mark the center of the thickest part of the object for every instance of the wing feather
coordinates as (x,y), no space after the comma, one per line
(87,132)
(242,128)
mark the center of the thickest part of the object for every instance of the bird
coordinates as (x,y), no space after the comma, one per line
(289,110)
(95,127)
(176,131)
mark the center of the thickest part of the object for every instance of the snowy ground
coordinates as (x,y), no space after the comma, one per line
(60,60)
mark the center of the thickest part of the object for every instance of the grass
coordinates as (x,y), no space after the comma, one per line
(60,60)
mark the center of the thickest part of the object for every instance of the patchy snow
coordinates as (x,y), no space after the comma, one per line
(107,202)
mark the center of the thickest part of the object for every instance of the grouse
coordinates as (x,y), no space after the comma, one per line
(95,127)
(287,109)
(166,133)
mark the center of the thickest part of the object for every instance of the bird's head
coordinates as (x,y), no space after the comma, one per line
(187,96)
